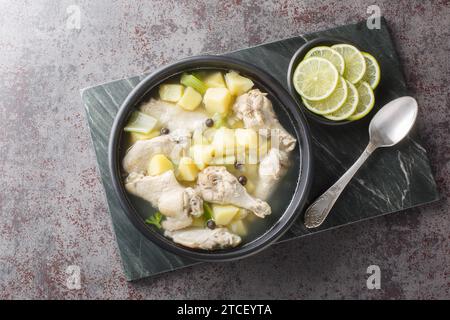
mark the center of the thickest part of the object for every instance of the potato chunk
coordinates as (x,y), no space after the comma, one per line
(246,138)
(198,222)
(242,214)
(238,227)
(159,164)
(215,80)
(237,84)
(223,142)
(171,92)
(202,154)
(217,100)
(190,100)
(223,214)
(187,170)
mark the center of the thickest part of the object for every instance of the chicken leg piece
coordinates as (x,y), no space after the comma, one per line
(217,185)
(173,145)
(272,168)
(164,192)
(256,111)
(206,239)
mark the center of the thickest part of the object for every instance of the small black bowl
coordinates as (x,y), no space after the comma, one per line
(296,59)
(299,182)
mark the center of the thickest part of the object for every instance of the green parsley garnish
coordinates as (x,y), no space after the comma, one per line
(155,219)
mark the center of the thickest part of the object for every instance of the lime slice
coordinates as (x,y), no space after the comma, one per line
(366,101)
(349,106)
(332,103)
(355,64)
(373,73)
(330,54)
(315,78)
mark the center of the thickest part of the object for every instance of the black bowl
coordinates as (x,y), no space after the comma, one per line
(301,181)
(296,59)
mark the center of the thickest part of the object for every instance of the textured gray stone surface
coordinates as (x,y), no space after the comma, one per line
(52,208)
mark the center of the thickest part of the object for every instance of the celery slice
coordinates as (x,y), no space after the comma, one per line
(207,211)
(219,120)
(140,122)
(200,74)
(192,81)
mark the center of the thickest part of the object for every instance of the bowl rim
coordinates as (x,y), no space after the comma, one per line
(299,123)
(295,60)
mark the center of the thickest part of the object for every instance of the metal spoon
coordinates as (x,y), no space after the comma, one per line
(388,127)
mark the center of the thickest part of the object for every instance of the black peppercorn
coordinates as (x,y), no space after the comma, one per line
(211,224)
(209,122)
(242,180)
(165,130)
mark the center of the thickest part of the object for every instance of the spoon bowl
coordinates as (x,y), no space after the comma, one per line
(393,122)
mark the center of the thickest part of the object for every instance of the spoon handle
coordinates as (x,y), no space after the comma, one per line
(319,209)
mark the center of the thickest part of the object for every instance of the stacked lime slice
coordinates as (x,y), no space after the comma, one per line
(337,82)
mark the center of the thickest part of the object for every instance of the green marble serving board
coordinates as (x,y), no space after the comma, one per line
(392,180)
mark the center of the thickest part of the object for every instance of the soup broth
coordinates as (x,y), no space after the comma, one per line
(244,170)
